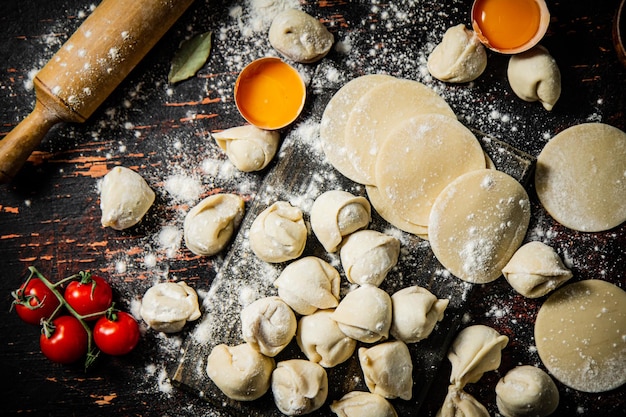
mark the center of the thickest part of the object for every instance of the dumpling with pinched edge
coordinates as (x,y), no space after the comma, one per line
(268,325)
(416,311)
(321,340)
(299,36)
(240,372)
(526,391)
(367,256)
(125,198)
(278,233)
(459,58)
(248,147)
(362,404)
(365,314)
(458,403)
(535,270)
(309,284)
(336,214)
(535,76)
(168,306)
(388,369)
(299,386)
(209,226)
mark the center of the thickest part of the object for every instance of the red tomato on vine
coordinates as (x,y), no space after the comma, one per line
(117,333)
(34,301)
(65,340)
(89,295)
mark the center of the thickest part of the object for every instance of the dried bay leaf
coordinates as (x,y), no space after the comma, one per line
(190,57)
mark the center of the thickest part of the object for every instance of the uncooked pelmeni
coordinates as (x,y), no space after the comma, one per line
(240,372)
(535,76)
(125,198)
(458,403)
(367,256)
(210,225)
(168,306)
(248,147)
(268,325)
(535,270)
(365,314)
(459,58)
(580,177)
(416,311)
(388,369)
(336,214)
(362,404)
(299,36)
(278,233)
(299,386)
(475,350)
(477,223)
(526,391)
(321,340)
(309,284)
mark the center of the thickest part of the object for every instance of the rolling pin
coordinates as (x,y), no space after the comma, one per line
(87,68)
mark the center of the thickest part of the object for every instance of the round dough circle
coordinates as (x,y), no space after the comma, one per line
(581,177)
(580,334)
(387,212)
(477,223)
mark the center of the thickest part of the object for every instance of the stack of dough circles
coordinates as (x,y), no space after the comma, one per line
(581,177)
(477,223)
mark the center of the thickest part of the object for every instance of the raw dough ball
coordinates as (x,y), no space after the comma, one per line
(458,403)
(367,256)
(299,386)
(336,214)
(240,372)
(248,147)
(125,198)
(476,349)
(210,225)
(168,306)
(388,369)
(268,325)
(278,233)
(535,270)
(459,58)
(580,177)
(321,340)
(299,36)
(362,404)
(477,223)
(386,210)
(535,76)
(365,314)
(526,391)
(579,334)
(416,311)
(309,284)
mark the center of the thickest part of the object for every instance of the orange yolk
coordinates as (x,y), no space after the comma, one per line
(507,24)
(269,93)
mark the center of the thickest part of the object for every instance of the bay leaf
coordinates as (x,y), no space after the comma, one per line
(190,57)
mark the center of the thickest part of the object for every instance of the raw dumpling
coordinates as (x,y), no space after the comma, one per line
(388,369)
(459,58)
(278,233)
(321,340)
(362,404)
(368,255)
(210,225)
(240,372)
(268,325)
(168,306)
(309,284)
(458,403)
(416,311)
(476,349)
(535,270)
(535,76)
(526,391)
(299,36)
(248,147)
(299,386)
(336,214)
(125,198)
(365,314)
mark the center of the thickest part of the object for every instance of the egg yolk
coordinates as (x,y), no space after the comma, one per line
(507,24)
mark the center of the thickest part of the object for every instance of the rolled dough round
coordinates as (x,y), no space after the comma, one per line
(387,212)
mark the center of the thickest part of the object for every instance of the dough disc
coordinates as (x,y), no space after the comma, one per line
(581,177)
(387,212)
(580,333)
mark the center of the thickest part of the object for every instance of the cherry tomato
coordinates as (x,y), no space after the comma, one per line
(89,295)
(68,341)
(116,335)
(34,301)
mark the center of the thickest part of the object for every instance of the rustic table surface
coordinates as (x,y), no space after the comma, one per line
(50,215)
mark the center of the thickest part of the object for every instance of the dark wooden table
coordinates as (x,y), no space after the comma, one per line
(50,216)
